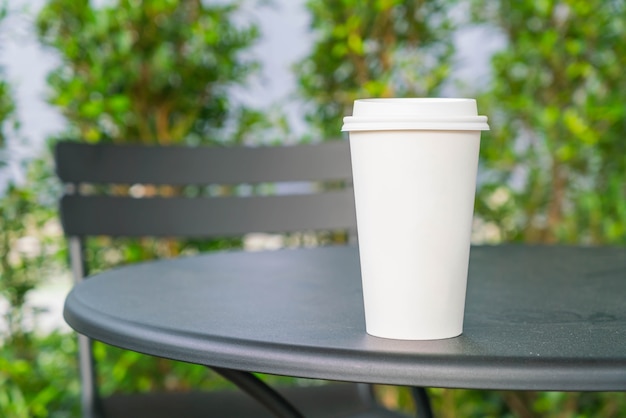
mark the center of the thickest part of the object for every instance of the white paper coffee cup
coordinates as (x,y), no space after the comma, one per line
(414,165)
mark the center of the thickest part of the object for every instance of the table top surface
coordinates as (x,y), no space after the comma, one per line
(537,318)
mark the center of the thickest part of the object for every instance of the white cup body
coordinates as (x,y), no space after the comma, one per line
(414,192)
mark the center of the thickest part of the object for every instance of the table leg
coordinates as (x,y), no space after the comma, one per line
(422,403)
(260,391)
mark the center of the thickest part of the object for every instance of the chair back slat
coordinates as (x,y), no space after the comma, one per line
(206,217)
(178,165)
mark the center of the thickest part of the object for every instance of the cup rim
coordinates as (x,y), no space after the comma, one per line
(415,99)
(415,113)
(475,123)
(410,118)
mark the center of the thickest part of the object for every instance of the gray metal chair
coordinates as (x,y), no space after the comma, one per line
(93,214)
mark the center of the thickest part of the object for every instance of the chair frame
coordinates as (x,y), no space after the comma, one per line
(84,215)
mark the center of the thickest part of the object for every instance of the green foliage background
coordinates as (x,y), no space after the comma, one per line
(148,71)
(553,167)
(556,153)
(372,49)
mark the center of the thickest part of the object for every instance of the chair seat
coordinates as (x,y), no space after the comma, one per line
(331,400)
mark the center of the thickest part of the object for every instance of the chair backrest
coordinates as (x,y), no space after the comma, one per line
(100,209)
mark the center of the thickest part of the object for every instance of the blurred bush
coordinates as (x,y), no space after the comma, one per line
(38,377)
(370,48)
(555,160)
(153,71)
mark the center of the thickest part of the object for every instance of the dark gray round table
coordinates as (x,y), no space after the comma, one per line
(537,318)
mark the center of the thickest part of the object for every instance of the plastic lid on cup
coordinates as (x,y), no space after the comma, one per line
(415,114)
